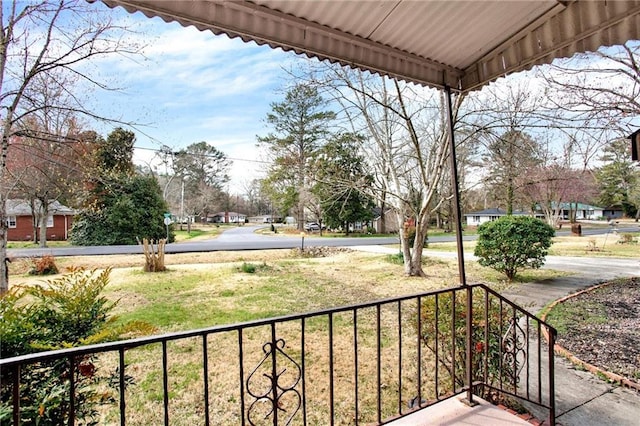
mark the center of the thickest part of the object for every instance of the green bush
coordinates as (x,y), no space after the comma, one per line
(512,243)
(127,209)
(252,268)
(396,259)
(248,268)
(64,312)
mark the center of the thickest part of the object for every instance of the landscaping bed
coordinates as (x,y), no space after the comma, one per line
(601,327)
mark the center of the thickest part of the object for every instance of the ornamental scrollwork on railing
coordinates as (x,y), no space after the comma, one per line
(514,347)
(272,384)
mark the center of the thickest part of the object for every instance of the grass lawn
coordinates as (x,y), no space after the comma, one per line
(607,245)
(31,244)
(199,231)
(206,289)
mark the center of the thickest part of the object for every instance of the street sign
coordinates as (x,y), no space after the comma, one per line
(167,221)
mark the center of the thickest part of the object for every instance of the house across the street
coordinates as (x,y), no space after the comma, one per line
(489,215)
(20,221)
(582,212)
(613,212)
(390,221)
(227,217)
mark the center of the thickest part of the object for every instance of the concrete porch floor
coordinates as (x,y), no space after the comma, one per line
(455,412)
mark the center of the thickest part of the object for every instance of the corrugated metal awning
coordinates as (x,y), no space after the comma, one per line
(460,44)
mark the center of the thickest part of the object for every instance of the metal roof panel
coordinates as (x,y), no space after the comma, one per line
(461,44)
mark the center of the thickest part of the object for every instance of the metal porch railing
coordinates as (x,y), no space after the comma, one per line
(360,364)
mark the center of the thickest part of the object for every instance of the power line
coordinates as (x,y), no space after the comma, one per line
(228,158)
(49,137)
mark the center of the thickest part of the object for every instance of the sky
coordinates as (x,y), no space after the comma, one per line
(191,86)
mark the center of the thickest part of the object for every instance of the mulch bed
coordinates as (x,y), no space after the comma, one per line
(613,344)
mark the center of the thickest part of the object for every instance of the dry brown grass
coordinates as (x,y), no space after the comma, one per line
(20,267)
(601,245)
(208,286)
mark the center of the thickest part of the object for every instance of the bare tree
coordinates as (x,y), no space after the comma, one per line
(45,166)
(598,96)
(48,159)
(405,146)
(503,120)
(604,84)
(51,38)
(553,188)
(194,179)
(537,155)
(257,202)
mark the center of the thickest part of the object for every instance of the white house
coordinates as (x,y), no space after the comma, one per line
(227,217)
(582,211)
(489,215)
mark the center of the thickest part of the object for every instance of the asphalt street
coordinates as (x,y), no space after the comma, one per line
(245,238)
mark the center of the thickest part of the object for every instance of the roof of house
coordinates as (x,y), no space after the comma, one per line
(20,207)
(576,206)
(223,214)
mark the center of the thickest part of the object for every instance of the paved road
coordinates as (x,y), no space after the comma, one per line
(245,238)
(240,238)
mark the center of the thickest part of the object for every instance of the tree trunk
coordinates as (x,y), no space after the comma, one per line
(4,270)
(510,196)
(383,215)
(416,259)
(43,229)
(35,221)
(300,216)
(413,255)
(406,252)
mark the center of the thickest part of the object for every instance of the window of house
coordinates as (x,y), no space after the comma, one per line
(50,221)
(476,218)
(11,221)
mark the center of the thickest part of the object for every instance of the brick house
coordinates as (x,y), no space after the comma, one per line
(20,221)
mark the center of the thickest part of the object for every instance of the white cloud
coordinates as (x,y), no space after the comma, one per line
(192,86)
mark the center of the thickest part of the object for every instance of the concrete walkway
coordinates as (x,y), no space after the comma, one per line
(582,399)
